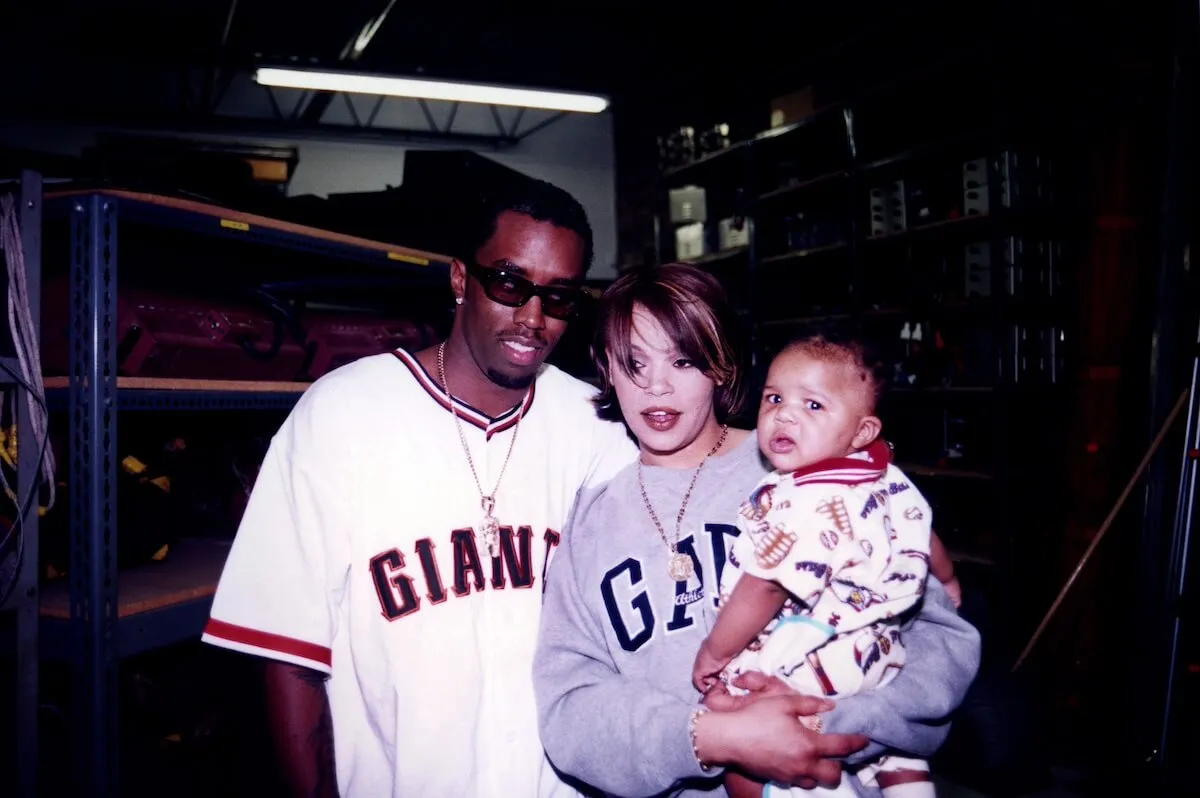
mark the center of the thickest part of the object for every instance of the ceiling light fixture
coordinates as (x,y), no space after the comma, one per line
(425,89)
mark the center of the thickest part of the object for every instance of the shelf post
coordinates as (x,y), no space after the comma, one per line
(93,569)
(28,466)
(753,310)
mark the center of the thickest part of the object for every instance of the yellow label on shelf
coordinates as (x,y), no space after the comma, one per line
(233,224)
(408,258)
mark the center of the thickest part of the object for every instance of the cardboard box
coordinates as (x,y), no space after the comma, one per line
(790,108)
(688,204)
(733,232)
(689,241)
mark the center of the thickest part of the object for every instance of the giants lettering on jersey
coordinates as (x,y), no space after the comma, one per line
(626,592)
(396,577)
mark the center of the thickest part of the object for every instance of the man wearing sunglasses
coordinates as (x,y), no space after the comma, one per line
(390,562)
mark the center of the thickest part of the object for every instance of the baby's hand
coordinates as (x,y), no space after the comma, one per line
(954,591)
(706,672)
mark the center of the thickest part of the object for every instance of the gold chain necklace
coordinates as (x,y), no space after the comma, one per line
(679,566)
(489,531)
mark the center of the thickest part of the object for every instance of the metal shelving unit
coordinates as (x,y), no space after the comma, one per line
(106,615)
(23,599)
(826,171)
(134,393)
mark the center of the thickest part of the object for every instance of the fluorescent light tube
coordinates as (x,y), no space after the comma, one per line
(422,88)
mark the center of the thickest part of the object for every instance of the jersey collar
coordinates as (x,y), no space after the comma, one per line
(866,466)
(476,418)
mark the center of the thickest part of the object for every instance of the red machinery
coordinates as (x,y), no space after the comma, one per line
(254,337)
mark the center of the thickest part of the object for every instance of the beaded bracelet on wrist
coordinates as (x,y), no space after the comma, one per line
(696,713)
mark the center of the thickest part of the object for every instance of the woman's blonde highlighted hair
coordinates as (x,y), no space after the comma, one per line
(695,313)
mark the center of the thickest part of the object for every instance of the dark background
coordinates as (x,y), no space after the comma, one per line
(1108,86)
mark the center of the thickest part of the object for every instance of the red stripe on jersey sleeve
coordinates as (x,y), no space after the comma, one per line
(272,642)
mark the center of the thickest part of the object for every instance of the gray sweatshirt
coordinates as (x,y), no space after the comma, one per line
(612,672)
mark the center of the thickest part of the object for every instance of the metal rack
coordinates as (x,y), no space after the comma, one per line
(96,629)
(845,152)
(23,600)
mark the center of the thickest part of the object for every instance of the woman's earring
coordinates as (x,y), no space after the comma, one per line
(458,300)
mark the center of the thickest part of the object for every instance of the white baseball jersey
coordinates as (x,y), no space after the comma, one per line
(357,557)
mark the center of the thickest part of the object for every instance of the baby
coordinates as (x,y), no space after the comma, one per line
(836,543)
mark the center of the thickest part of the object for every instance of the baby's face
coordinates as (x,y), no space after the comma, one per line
(812,409)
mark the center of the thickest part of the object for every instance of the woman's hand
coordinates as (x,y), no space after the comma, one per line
(765,738)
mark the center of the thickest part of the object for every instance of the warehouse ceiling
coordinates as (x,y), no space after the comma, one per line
(125,57)
(579,44)
(187,62)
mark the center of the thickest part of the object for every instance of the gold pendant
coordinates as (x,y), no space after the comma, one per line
(489,535)
(489,528)
(680,567)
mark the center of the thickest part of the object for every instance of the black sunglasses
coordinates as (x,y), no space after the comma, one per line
(512,290)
